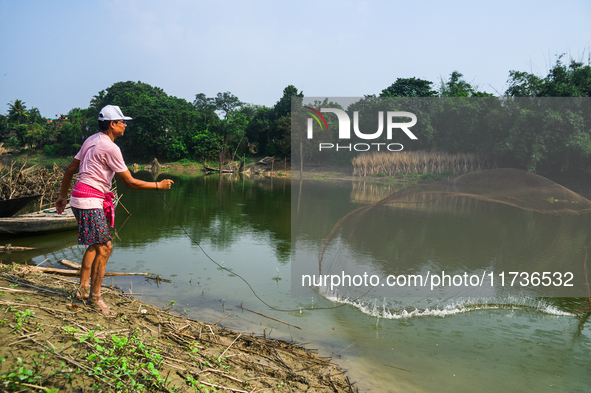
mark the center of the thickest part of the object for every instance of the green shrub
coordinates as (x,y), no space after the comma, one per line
(52,150)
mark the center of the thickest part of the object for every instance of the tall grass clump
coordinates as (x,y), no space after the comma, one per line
(410,162)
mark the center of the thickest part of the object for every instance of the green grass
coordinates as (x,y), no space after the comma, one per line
(431,178)
(19,377)
(127,363)
(41,160)
(423,178)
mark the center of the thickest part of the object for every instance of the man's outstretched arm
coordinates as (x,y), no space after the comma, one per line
(130,182)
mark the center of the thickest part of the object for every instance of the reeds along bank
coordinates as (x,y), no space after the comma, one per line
(419,162)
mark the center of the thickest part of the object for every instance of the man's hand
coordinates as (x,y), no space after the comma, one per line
(60,204)
(165,184)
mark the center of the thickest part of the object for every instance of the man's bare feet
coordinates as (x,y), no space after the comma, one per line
(83,292)
(98,303)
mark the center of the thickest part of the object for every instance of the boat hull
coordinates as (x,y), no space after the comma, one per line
(44,221)
(9,207)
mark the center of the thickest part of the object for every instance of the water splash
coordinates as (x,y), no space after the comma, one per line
(395,309)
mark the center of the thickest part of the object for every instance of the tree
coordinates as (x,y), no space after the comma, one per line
(70,138)
(206,107)
(284,129)
(206,145)
(17,111)
(234,131)
(573,80)
(35,135)
(35,116)
(456,86)
(232,126)
(203,103)
(550,135)
(260,129)
(278,132)
(3,124)
(97,100)
(127,94)
(250,110)
(227,103)
(21,134)
(162,126)
(283,106)
(409,87)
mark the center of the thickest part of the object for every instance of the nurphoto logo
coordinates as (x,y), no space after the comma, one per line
(392,123)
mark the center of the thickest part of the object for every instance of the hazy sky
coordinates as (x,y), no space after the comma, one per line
(55,55)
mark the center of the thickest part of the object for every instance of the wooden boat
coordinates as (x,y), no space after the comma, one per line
(9,207)
(42,221)
(46,220)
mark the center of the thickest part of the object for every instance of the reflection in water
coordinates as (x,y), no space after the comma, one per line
(48,246)
(366,193)
(218,210)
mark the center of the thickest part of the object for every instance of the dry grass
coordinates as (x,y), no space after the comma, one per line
(20,180)
(392,163)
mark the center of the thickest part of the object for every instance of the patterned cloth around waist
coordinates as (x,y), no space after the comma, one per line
(82,190)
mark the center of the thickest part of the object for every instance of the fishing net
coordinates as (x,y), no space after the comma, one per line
(403,222)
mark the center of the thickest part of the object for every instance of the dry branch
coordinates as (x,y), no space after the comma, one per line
(266,316)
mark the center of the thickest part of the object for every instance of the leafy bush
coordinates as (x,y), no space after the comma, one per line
(52,150)
(271,149)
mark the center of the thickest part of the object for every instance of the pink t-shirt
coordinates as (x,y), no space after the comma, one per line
(100,158)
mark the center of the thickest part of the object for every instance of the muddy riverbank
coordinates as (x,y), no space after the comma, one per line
(50,341)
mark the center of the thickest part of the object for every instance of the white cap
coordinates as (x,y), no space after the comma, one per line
(112,112)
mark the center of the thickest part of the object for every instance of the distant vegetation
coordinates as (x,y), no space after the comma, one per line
(163,126)
(223,128)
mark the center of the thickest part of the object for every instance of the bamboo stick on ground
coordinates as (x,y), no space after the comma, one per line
(71,264)
(266,316)
(69,272)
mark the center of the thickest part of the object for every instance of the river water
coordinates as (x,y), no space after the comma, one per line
(513,339)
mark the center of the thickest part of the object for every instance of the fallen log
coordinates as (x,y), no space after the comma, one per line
(9,247)
(267,160)
(217,170)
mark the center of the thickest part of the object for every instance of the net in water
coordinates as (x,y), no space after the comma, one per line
(516,188)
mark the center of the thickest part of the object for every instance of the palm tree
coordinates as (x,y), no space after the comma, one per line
(17,110)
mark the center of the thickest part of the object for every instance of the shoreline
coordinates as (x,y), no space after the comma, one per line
(576,181)
(329,173)
(64,344)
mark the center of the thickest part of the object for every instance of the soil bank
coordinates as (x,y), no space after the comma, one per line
(50,341)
